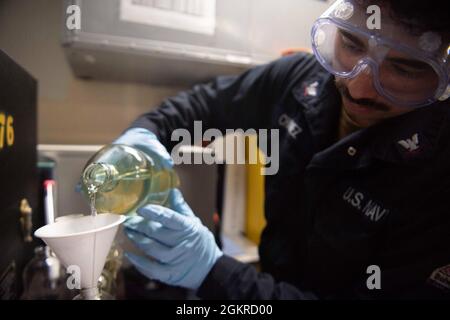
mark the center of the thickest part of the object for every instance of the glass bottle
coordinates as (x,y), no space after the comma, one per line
(120,178)
(44,277)
(108,281)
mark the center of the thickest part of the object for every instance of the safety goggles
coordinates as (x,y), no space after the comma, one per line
(407,69)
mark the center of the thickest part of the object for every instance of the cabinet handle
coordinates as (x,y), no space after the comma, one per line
(25,220)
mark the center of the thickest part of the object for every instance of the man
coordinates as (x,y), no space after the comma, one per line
(360,205)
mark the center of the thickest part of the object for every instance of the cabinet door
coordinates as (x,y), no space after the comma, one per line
(18,173)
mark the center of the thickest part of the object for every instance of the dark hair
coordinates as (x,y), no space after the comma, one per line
(419,15)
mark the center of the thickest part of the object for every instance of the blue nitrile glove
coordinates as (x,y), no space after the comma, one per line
(147,142)
(179,249)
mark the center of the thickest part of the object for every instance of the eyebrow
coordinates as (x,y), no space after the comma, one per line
(409,62)
(352,38)
(404,61)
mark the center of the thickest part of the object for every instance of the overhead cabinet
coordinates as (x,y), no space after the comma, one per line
(181,41)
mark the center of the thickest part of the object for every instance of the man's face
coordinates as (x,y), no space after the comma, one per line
(363,104)
(399,73)
(360,100)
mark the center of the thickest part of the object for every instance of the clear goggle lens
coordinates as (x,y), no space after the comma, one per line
(398,76)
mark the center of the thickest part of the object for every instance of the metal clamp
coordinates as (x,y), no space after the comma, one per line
(25,220)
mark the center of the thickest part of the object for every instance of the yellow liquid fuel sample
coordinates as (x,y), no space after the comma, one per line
(120,179)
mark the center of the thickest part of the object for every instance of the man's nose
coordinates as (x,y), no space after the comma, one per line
(361,86)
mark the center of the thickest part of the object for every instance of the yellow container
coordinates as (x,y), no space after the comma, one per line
(255,220)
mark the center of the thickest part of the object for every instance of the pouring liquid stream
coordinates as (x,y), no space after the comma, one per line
(92,192)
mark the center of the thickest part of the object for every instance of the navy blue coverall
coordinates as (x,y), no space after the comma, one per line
(380,196)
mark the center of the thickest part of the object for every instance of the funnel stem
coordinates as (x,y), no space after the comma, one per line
(90,294)
(94,250)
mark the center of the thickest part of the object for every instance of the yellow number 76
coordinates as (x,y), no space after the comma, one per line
(6,122)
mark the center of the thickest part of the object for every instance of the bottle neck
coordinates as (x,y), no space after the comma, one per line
(99,177)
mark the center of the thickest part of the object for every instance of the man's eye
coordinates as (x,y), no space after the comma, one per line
(406,72)
(350,45)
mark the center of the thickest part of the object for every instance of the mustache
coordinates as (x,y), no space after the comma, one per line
(363,102)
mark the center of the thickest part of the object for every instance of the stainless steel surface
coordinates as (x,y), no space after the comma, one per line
(247,33)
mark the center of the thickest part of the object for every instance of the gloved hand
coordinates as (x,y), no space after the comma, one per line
(179,249)
(147,142)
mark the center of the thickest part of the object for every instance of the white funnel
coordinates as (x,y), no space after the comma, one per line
(84,242)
